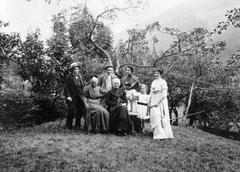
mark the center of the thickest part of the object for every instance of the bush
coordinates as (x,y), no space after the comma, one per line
(48,108)
(14,107)
(18,110)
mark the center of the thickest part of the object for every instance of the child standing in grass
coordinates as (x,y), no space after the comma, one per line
(142,109)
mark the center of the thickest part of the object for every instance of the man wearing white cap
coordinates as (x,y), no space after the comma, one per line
(106,80)
(73,92)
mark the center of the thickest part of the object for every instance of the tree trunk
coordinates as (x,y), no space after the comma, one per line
(176,114)
(189,104)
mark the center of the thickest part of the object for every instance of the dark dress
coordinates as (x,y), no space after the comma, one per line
(99,116)
(119,117)
(133,80)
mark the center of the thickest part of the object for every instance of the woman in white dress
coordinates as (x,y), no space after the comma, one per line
(158,105)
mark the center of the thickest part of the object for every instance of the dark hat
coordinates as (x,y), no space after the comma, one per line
(129,67)
(107,66)
(127,83)
(73,65)
(158,70)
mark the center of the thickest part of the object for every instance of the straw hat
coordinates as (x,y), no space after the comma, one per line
(73,65)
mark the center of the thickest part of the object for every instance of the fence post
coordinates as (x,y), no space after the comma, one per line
(189,104)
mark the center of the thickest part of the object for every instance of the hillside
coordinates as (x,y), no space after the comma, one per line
(51,148)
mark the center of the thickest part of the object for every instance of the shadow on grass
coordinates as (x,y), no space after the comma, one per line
(222,133)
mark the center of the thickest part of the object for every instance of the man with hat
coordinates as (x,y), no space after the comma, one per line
(73,92)
(106,80)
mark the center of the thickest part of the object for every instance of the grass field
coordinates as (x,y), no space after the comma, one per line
(51,148)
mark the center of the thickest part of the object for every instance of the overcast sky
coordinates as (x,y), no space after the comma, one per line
(26,16)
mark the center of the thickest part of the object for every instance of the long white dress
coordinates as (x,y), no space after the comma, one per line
(159,116)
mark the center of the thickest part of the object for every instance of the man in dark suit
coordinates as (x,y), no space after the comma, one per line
(75,99)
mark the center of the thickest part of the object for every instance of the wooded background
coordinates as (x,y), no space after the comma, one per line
(197,77)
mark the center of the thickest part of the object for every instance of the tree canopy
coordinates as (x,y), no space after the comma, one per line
(191,60)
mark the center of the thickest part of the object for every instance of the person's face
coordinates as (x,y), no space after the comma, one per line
(75,70)
(94,84)
(116,84)
(109,71)
(128,87)
(128,71)
(156,75)
(143,90)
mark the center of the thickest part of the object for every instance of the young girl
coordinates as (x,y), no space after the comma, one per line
(142,103)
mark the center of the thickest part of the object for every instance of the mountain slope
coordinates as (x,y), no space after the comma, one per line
(192,14)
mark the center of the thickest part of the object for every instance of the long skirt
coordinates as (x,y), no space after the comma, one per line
(99,118)
(120,119)
(161,126)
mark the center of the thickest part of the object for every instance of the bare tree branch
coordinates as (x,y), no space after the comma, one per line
(102,50)
(136,65)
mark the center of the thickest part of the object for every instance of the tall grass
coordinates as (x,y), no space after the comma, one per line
(51,148)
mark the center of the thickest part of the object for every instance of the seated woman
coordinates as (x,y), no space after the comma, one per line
(99,116)
(120,122)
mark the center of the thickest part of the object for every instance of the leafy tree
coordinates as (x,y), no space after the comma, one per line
(80,29)
(9,45)
(92,26)
(233,19)
(31,60)
(230,107)
(59,52)
(190,57)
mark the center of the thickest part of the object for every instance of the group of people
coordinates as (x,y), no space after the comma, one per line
(110,104)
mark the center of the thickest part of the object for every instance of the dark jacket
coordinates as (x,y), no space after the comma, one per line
(115,97)
(133,80)
(71,89)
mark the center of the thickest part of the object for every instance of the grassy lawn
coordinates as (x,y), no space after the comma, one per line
(51,148)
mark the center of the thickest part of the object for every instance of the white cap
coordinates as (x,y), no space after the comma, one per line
(75,64)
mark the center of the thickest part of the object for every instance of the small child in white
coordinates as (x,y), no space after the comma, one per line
(132,102)
(142,103)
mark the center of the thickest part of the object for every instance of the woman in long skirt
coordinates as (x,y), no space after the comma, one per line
(99,116)
(158,104)
(116,100)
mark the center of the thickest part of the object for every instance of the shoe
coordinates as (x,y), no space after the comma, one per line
(124,134)
(68,128)
(104,132)
(118,132)
(95,132)
(133,133)
(121,133)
